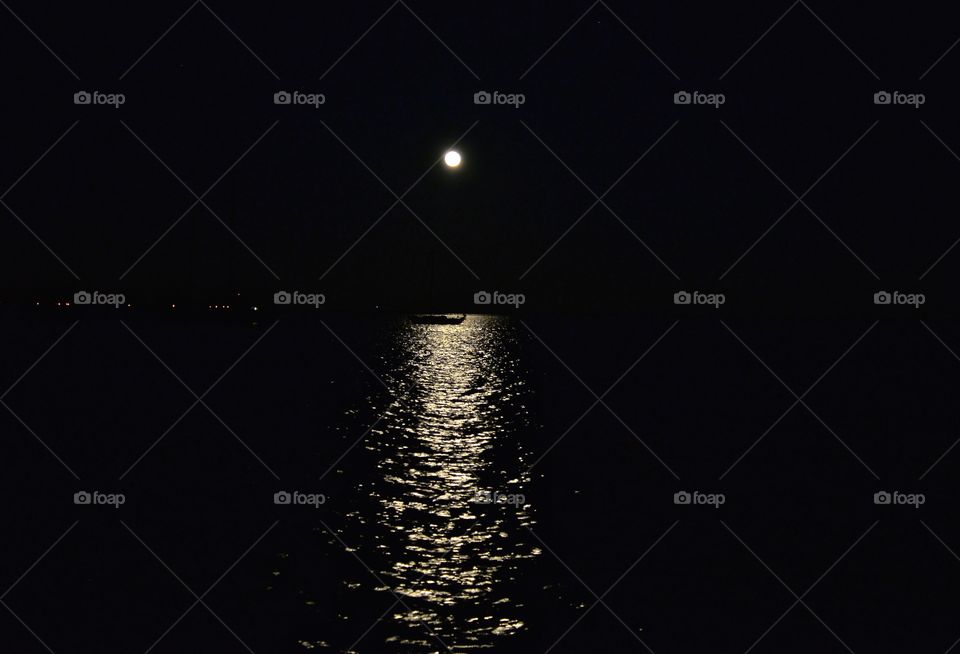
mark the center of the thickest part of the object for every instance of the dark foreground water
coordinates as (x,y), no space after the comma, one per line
(406,431)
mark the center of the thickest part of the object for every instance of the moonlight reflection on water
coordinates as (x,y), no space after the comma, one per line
(453,432)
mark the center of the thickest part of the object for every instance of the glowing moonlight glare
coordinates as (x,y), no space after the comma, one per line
(452,159)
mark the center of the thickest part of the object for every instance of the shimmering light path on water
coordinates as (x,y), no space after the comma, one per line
(448,443)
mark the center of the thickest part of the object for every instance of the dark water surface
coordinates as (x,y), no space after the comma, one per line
(402,428)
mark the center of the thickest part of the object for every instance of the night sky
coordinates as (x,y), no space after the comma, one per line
(292,187)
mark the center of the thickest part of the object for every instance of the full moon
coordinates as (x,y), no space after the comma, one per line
(452,159)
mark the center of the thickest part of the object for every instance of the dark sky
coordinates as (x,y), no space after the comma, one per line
(299,199)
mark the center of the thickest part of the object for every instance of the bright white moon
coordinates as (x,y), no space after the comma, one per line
(452,159)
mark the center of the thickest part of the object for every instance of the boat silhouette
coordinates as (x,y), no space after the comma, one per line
(437,319)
